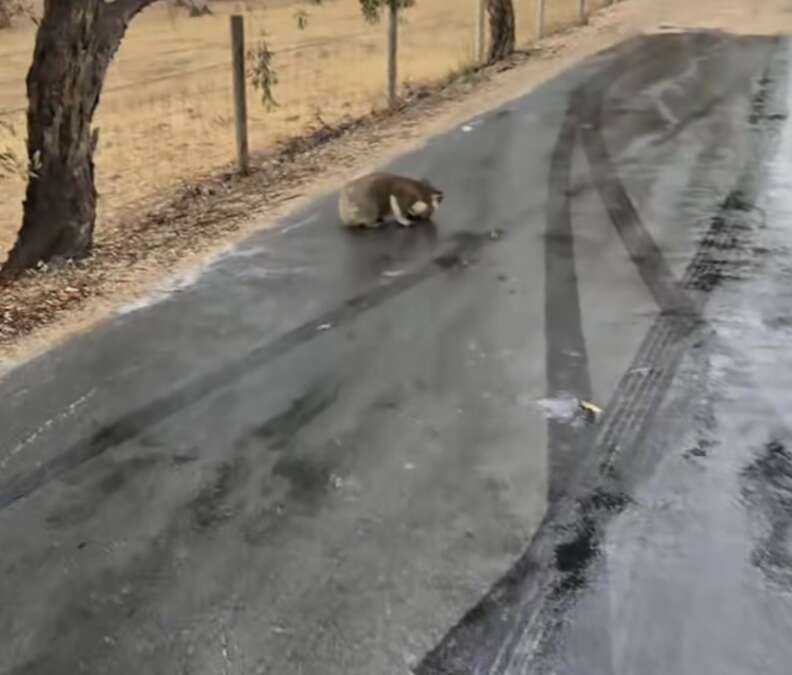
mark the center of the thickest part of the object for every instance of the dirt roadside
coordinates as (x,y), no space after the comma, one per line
(183,231)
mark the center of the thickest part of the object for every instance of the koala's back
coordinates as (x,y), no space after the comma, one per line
(374,189)
(366,200)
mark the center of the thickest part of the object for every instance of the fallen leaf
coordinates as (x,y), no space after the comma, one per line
(590,407)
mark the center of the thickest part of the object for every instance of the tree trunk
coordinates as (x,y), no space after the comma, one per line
(501,19)
(75,43)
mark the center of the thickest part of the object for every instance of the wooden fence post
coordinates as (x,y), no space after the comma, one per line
(393,37)
(240,102)
(540,18)
(480,30)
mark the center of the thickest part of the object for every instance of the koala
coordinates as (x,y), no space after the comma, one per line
(367,201)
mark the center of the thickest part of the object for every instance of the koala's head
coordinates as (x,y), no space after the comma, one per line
(436,195)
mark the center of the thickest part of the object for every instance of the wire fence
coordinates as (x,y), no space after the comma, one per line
(167,110)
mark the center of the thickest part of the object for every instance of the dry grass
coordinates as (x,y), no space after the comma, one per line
(166,114)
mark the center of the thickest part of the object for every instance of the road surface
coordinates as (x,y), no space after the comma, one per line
(354,454)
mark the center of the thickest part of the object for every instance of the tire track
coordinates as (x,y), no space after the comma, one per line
(619,457)
(515,627)
(566,358)
(478,643)
(160,408)
(459,247)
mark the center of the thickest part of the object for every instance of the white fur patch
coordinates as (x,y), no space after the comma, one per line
(436,201)
(397,212)
(419,208)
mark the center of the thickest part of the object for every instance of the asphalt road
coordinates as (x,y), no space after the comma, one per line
(354,454)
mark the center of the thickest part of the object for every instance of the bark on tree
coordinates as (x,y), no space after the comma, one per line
(75,44)
(502,35)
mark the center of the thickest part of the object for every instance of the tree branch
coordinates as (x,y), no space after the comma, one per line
(126,9)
